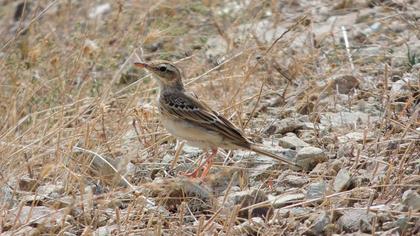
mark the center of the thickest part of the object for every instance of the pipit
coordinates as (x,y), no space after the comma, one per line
(188,118)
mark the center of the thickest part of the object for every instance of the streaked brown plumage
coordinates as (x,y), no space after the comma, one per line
(190,119)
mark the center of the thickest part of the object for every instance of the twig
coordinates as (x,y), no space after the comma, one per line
(346,42)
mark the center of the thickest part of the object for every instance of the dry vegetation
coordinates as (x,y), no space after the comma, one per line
(72,106)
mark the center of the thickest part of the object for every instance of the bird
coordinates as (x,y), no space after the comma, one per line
(188,118)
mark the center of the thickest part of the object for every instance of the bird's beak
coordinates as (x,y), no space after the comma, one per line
(141,64)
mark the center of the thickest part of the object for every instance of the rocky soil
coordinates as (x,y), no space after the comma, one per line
(331,85)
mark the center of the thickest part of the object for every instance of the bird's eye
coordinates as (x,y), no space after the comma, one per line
(162,68)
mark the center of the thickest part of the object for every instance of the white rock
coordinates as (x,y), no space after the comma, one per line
(100,10)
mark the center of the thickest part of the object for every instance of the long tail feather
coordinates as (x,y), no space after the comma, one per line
(259,150)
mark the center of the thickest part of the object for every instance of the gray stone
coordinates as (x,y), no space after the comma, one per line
(40,215)
(345,118)
(6,197)
(320,223)
(355,137)
(291,141)
(345,84)
(106,230)
(247,198)
(252,226)
(354,220)
(308,157)
(411,199)
(285,199)
(288,125)
(99,10)
(342,180)
(216,48)
(28,184)
(316,190)
(295,181)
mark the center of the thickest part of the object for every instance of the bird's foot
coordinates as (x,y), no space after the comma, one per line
(193,174)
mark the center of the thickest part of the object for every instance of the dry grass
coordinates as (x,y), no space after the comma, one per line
(67,90)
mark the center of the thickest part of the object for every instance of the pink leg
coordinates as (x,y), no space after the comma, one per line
(209,162)
(195,172)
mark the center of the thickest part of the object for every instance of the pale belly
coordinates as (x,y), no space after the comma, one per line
(194,135)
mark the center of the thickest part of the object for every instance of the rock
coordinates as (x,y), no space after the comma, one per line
(249,198)
(316,190)
(319,223)
(308,157)
(411,199)
(42,216)
(6,197)
(338,119)
(26,230)
(216,49)
(261,165)
(295,181)
(51,190)
(90,47)
(342,180)
(355,137)
(253,226)
(221,180)
(288,125)
(285,199)
(106,230)
(320,169)
(293,142)
(344,84)
(353,220)
(292,212)
(99,10)
(28,184)
(174,191)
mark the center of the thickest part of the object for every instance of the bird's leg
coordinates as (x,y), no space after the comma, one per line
(195,172)
(209,162)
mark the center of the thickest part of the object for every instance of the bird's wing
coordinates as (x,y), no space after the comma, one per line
(185,107)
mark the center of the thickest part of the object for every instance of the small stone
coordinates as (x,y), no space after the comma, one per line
(308,157)
(295,181)
(6,197)
(345,84)
(288,125)
(355,137)
(353,220)
(316,190)
(320,169)
(285,199)
(342,180)
(28,184)
(345,118)
(106,230)
(100,10)
(320,223)
(251,198)
(216,49)
(411,199)
(40,215)
(252,226)
(292,142)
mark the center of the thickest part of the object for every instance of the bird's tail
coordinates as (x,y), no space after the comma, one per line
(257,148)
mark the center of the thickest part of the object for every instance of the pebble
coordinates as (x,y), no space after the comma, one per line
(411,199)
(293,142)
(316,190)
(354,220)
(308,157)
(342,180)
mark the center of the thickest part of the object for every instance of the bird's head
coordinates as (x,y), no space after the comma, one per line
(166,73)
